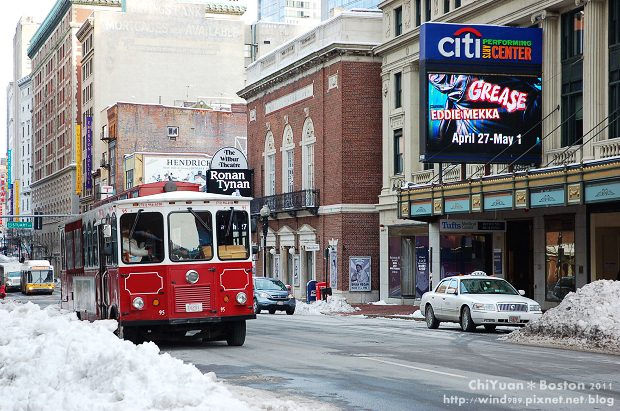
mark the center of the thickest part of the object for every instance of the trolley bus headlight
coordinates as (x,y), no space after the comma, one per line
(192,277)
(242,298)
(138,303)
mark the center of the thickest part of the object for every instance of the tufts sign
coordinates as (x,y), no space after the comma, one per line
(229,173)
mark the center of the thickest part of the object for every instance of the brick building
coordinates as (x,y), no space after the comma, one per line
(314,130)
(56,57)
(166,131)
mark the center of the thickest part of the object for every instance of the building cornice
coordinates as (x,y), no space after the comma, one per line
(35,184)
(55,15)
(88,24)
(308,61)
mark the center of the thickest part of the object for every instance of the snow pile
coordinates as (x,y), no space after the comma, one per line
(334,304)
(50,360)
(380,302)
(587,319)
(417,315)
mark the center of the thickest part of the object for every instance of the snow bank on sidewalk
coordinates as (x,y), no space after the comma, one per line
(381,302)
(334,304)
(587,319)
(49,360)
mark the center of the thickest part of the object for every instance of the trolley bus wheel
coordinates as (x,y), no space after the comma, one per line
(236,335)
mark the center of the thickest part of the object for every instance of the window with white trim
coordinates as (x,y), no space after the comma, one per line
(270,165)
(307,152)
(288,161)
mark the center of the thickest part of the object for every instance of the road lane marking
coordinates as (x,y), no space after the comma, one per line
(414,368)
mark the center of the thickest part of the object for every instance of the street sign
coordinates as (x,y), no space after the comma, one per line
(19,224)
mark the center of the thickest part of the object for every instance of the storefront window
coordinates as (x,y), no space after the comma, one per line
(559,257)
(465,253)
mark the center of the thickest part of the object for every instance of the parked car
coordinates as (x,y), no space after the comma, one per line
(13,281)
(272,295)
(477,299)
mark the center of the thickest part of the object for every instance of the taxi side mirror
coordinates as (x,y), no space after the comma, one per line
(451,291)
(521,292)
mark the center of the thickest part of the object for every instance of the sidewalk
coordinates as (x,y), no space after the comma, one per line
(388,311)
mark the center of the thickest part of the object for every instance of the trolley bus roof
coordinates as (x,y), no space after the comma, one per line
(182,196)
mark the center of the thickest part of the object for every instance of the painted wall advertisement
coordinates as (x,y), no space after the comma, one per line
(359,273)
(191,169)
(482,94)
(89,153)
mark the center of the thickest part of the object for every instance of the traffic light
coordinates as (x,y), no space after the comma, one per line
(38,221)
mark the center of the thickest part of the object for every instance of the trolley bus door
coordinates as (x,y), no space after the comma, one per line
(102,274)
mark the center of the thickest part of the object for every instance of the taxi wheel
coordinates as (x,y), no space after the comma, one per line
(431,320)
(466,322)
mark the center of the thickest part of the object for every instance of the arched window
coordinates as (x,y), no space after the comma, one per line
(270,165)
(307,154)
(288,160)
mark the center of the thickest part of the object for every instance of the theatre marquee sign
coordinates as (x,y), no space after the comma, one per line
(229,173)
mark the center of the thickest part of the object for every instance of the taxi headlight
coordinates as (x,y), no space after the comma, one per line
(484,307)
(534,307)
(192,276)
(138,303)
(241,297)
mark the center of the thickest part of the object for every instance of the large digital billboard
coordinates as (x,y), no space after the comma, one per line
(481,92)
(483,118)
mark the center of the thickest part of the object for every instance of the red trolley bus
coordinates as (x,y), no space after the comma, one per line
(175,263)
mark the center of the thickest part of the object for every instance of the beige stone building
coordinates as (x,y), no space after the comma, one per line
(559,227)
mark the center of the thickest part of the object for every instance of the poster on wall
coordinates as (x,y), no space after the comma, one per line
(333,268)
(359,273)
(421,266)
(191,169)
(276,266)
(483,118)
(394,276)
(296,269)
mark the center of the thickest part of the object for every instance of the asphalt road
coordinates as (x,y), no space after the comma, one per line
(386,364)
(42,300)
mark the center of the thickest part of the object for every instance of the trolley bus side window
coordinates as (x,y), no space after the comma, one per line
(142,238)
(190,235)
(232,235)
(69,242)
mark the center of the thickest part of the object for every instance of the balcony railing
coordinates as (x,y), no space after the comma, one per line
(305,200)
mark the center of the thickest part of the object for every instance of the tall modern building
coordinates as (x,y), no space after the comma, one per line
(56,58)
(331,7)
(290,11)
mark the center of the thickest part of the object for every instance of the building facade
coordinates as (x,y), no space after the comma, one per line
(540,226)
(167,53)
(140,138)
(56,57)
(24,165)
(313,129)
(329,8)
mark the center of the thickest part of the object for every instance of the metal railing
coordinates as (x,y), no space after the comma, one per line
(288,202)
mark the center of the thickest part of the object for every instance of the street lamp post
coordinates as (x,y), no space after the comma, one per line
(264,217)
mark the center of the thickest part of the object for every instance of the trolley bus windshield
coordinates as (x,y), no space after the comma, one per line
(232,235)
(40,276)
(191,235)
(142,237)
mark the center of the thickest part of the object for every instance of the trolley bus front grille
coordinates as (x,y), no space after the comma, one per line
(186,299)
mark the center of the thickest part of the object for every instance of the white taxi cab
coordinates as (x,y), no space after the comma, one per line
(478,299)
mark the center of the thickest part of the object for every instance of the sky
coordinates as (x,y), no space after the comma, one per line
(11,12)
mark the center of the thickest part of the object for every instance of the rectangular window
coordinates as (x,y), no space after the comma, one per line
(446,6)
(271,180)
(559,257)
(418,12)
(427,11)
(614,68)
(290,171)
(398,89)
(310,166)
(142,238)
(398,21)
(457,3)
(398,151)
(572,77)
(233,240)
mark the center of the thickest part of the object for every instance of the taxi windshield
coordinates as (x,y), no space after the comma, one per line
(486,286)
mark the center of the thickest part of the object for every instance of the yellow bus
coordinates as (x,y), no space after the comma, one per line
(37,277)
